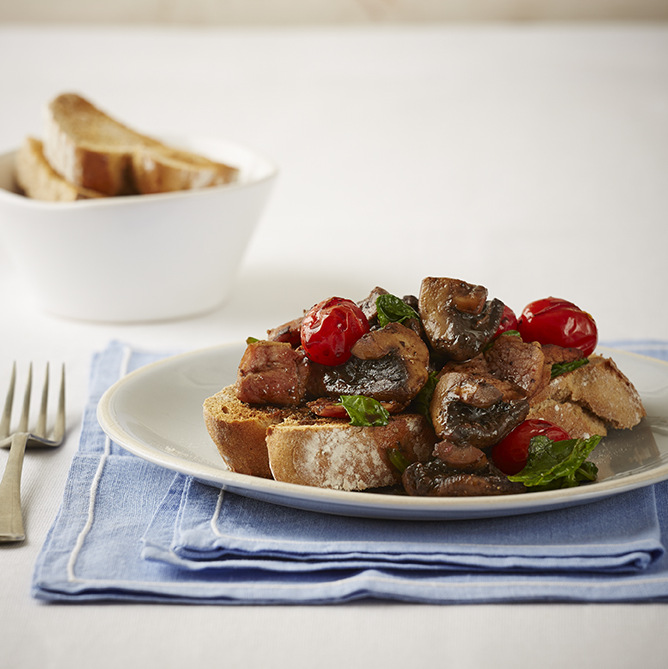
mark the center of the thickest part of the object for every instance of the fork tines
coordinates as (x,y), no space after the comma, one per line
(40,426)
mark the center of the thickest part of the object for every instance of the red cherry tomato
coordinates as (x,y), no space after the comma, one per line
(555,321)
(510,454)
(331,328)
(508,321)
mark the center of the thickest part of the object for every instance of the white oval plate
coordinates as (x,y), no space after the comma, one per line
(156,413)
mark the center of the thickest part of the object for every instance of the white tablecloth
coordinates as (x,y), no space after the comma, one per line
(533,160)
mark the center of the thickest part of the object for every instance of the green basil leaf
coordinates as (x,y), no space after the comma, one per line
(558,464)
(422,400)
(364,411)
(559,368)
(251,340)
(587,472)
(392,309)
(398,459)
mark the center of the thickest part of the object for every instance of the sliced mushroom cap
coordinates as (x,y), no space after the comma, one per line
(388,364)
(479,390)
(461,457)
(456,316)
(368,304)
(476,409)
(287,332)
(438,479)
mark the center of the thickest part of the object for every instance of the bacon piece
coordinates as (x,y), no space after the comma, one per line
(272,373)
(522,363)
(556,354)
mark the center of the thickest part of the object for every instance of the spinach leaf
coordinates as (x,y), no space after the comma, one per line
(558,464)
(364,411)
(392,309)
(423,398)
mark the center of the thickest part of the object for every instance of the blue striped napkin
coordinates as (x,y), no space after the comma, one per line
(130,530)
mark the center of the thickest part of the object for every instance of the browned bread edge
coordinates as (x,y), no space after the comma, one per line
(590,400)
(37,180)
(239,431)
(90,149)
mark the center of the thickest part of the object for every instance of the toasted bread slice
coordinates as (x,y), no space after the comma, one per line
(239,430)
(37,179)
(92,150)
(590,399)
(160,169)
(575,419)
(288,444)
(334,454)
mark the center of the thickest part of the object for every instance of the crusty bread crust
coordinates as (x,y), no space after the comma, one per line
(159,169)
(589,399)
(37,179)
(239,431)
(576,420)
(287,444)
(92,150)
(334,454)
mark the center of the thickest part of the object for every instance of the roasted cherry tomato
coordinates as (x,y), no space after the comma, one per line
(508,321)
(510,454)
(331,328)
(555,321)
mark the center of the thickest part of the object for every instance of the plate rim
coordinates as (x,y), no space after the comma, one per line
(359,503)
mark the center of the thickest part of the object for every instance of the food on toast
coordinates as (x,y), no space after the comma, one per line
(438,392)
(88,152)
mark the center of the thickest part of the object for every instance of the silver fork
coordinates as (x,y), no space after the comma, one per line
(11,517)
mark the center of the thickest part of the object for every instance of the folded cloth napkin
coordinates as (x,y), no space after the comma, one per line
(130,530)
(200,527)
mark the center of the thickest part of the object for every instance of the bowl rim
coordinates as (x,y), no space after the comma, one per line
(128,200)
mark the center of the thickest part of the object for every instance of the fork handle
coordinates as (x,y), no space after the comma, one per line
(11,517)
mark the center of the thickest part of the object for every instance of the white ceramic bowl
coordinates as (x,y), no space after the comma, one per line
(142,257)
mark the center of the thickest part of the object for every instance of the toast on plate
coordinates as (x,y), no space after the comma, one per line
(289,444)
(590,400)
(239,430)
(446,406)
